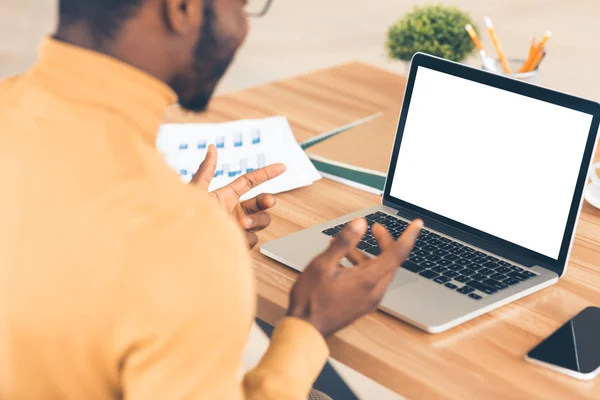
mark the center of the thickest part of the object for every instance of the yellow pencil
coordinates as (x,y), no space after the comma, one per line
(488,63)
(537,60)
(531,49)
(473,34)
(544,40)
(528,66)
(529,57)
(501,56)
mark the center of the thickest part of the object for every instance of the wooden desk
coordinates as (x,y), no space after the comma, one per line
(482,359)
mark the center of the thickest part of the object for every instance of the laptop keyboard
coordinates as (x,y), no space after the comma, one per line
(458,267)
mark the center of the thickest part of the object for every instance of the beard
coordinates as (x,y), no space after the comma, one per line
(212,57)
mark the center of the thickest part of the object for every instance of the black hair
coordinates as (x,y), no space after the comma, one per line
(102,17)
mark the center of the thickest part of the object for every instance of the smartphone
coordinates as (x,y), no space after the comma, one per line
(574,349)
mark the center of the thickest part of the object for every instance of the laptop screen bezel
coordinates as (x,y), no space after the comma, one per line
(517,87)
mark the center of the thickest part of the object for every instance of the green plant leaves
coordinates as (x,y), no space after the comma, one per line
(437,30)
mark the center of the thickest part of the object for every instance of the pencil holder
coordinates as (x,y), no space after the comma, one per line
(515,64)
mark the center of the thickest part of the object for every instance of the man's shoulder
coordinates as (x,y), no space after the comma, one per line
(24,102)
(9,90)
(17,86)
(7,83)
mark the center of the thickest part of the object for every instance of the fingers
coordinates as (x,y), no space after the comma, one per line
(256,222)
(339,248)
(207,169)
(396,254)
(251,239)
(249,181)
(403,246)
(356,257)
(383,237)
(260,203)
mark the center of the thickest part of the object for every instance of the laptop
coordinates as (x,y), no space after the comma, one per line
(495,167)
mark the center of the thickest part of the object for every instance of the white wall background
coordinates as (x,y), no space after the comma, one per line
(302,35)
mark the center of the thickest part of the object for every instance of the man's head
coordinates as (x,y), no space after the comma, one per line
(187,43)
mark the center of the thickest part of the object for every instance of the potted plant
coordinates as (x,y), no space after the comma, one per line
(435,29)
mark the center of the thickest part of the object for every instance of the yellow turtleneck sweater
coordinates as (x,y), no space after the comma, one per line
(117,280)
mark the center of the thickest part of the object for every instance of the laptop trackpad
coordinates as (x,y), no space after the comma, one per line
(402,278)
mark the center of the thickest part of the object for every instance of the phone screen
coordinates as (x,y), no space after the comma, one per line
(575,345)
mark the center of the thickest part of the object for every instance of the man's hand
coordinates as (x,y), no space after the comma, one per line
(331,297)
(250,214)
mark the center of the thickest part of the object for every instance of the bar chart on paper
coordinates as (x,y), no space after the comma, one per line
(243,166)
(242,147)
(239,153)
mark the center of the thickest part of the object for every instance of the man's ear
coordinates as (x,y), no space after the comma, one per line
(183,16)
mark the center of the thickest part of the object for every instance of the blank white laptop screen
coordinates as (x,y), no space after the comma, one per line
(497,161)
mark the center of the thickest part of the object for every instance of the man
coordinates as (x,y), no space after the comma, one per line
(118,281)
